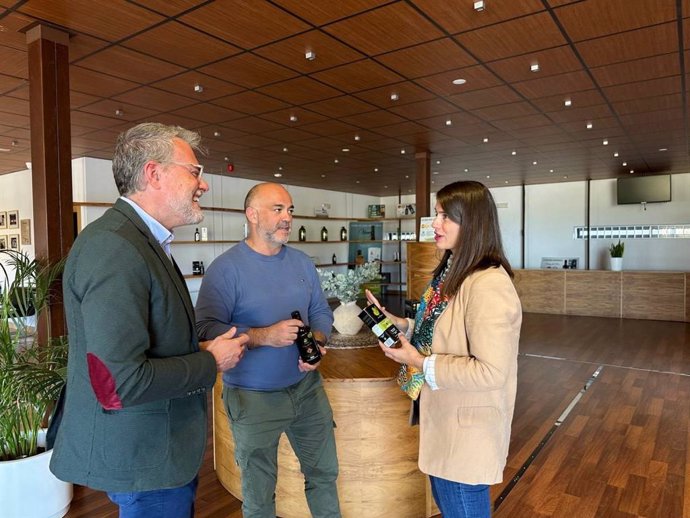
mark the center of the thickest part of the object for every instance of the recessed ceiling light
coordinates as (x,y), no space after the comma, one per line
(28,165)
(198,88)
(226,158)
(615,155)
(323,176)
(407,176)
(663,149)
(433,172)
(534,67)
(310,55)
(488,176)
(506,181)
(590,125)
(534,162)
(345,149)
(568,102)
(438,162)
(277,175)
(293,118)
(486,139)
(459,81)
(625,164)
(119,113)
(356,181)
(394,97)
(513,152)
(467,170)
(432,182)
(357,137)
(632,171)
(285,150)
(280,168)
(4,150)
(605,142)
(479,6)
(550,170)
(409,190)
(335,161)
(14,143)
(376,169)
(565,177)
(449,122)
(216,133)
(402,151)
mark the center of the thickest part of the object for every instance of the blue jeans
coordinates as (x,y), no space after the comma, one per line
(177,502)
(458,500)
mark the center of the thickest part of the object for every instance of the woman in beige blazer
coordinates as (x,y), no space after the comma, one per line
(461,360)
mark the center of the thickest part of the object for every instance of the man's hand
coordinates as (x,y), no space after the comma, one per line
(280,334)
(227,349)
(306,367)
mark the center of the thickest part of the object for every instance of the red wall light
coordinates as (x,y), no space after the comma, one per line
(230,168)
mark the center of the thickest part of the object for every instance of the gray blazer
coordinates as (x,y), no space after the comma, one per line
(134,415)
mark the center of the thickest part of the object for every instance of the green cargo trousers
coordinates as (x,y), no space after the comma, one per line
(258,418)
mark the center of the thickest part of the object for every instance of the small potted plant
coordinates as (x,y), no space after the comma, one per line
(616,251)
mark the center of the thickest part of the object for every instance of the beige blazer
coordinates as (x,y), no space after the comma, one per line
(465,425)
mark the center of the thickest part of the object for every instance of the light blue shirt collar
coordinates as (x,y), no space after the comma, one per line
(162,234)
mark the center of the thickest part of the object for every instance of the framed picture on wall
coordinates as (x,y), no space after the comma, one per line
(25,225)
(3,219)
(13,241)
(3,242)
(12,219)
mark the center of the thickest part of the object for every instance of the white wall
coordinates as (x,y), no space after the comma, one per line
(15,194)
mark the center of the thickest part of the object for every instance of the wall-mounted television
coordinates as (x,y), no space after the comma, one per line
(644,189)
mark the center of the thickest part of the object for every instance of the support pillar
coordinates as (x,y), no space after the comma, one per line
(51,166)
(423,186)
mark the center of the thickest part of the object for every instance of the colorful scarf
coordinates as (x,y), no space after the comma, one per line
(430,307)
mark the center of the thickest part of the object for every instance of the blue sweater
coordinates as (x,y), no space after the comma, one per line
(250,290)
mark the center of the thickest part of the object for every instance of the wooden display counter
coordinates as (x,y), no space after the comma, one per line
(377,449)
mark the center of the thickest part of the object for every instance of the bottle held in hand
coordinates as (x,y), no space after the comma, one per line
(308,348)
(380,325)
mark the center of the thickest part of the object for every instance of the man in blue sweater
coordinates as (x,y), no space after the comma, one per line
(255,286)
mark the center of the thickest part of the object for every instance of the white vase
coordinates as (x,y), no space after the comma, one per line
(616,264)
(346,318)
(29,490)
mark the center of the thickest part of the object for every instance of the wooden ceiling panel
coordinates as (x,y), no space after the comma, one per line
(95,83)
(291,52)
(285,136)
(127,112)
(9,83)
(249,71)
(177,120)
(254,125)
(485,97)
(581,114)
(128,64)
(428,58)
(14,63)
(179,43)
(628,46)
(340,106)
(250,103)
(208,113)
(424,109)
(373,119)
(283,117)
(112,20)
(612,16)
(638,70)
(528,121)
(358,76)
(458,18)
(649,104)
(556,103)
(404,27)
(12,33)
(554,85)
(89,120)
(407,92)
(184,84)
(154,99)
(402,129)
(331,127)
(558,60)
(81,45)
(245,23)
(504,111)
(508,39)
(477,77)
(300,90)
(14,105)
(169,7)
(319,12)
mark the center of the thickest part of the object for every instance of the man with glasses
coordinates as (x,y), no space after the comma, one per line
(256,285)
(134,416)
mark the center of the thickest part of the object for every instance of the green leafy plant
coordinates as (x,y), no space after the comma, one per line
(31,374)
(345,286)
(617,249)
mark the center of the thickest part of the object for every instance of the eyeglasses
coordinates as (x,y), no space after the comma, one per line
(196,171)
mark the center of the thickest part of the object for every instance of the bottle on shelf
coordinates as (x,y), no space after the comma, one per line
(197,236)
(324,234)
(373,233)
(196,268)
(302,233)
(359,259)
(343,234)
(202,270)
(334,259)
(308,348)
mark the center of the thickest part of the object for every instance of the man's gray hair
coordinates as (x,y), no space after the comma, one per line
(144,142)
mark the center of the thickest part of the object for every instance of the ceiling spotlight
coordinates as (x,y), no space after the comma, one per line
(488,176)
(632,171)
(277,175)
(438,162)
(28,165)
(459,81)
(565,177)
(467,170)
(280,168)
(534,162)
(293,118)
(356,181)
(568,102)
(615,155)
(662,149)
(590,125)
(14,143)
(486,139)
(310,55)
(513,152)
(534,67)
(335,161)
(506,181)
(449,122)
(216,134)
(227,158)
(357,137)
(434,172)
(394,97)
(402,151)
(407,176)
(385,187)
(198,88)
(285,150)
(323,176)
(376,169)
(550,170)
(479,6)
(605,142)
(625,164)
(345,149)
(119,113)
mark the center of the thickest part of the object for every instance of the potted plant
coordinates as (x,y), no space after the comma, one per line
(616,251)
(346,287)
(31,377)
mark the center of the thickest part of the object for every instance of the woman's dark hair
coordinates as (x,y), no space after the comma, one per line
(478,247)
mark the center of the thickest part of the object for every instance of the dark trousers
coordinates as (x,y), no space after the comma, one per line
(175,502)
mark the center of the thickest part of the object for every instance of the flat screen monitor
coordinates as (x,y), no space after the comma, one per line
(644,189)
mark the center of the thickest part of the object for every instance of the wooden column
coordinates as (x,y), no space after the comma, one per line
(51,168)
(423,181)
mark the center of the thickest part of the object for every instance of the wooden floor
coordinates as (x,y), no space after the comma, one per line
(621,452)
